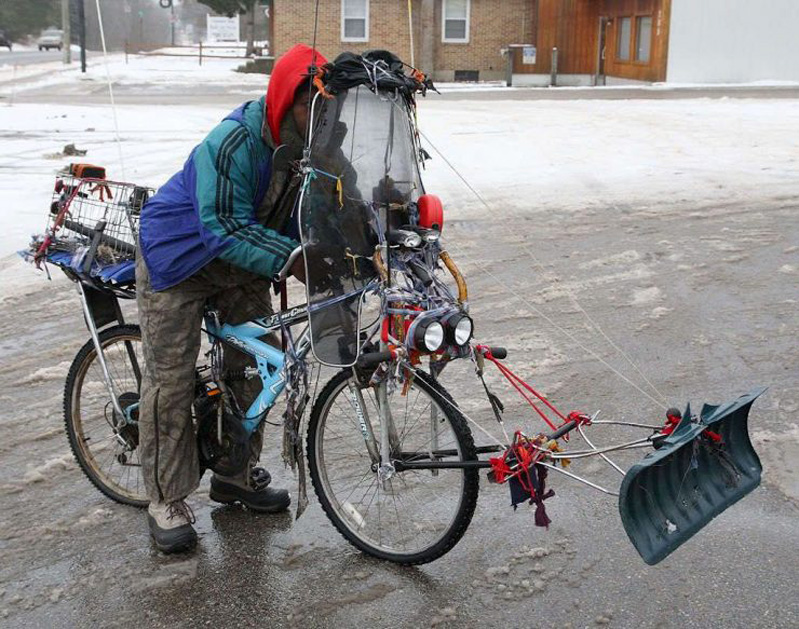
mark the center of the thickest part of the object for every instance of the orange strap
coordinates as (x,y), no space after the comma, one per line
(320,87)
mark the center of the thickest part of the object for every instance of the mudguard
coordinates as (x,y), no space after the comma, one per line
(673,492)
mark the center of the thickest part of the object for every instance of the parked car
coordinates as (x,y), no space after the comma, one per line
(5,42)
(51,38)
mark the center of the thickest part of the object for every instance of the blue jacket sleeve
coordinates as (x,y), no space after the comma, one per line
(225,189)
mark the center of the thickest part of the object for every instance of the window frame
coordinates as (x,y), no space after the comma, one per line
(455,40)
(634,33)
(344,37)
(619,20)
(636,39)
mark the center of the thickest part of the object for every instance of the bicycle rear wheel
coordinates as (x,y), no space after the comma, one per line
(415,516)
(105,447)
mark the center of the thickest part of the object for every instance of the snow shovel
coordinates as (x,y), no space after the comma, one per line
(703,467)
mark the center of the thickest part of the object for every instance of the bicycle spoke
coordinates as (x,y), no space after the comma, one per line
(413,509)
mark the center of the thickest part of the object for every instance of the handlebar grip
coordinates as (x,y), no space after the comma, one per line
(374,358)
(566,428)
(500,353)
(283,273)
(421,273)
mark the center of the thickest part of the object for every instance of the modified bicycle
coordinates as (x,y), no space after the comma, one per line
(390,452)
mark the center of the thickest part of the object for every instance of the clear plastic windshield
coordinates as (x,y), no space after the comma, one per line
(363,174)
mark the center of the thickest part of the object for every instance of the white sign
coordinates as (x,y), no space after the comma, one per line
(223,28)
(528,55)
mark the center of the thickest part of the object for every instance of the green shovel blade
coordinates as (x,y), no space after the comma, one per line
(676,490)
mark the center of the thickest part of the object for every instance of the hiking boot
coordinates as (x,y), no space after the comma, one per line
(171,526)
(255,495)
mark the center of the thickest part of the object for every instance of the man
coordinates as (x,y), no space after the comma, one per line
(216,232)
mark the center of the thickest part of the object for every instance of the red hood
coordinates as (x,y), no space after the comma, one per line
(289,72)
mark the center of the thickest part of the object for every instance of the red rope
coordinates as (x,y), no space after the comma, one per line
(515,380)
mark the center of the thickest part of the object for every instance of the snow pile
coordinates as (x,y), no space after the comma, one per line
(49,468)
(55,372)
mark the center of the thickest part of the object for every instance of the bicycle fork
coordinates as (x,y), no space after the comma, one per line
(380,450)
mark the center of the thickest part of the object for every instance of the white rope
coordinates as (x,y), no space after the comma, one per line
(659,402)
(569,335)
(111,91)
(458,409)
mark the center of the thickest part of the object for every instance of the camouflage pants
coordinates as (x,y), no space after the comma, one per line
(170,322)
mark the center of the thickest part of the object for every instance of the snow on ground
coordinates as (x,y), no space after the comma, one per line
(153,70)
(33,137)
(16,48)
(529,155)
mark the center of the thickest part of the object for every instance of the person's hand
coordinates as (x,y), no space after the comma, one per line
(298,268)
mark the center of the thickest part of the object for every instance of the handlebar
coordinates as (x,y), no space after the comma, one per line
(283,273)
(374,358)
(500,353)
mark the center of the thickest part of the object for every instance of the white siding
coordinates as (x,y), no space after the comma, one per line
(733,41)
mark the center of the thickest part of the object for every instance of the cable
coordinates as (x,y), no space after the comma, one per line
(568,335)
(111,91)
(313,67)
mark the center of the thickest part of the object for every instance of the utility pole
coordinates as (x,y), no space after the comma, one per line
(250,29)
(65,26)
(270,16)
(172,21)
(428,38)
(82,35)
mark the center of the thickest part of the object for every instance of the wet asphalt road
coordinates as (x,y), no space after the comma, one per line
(71,558)
(29,57)
(722,320)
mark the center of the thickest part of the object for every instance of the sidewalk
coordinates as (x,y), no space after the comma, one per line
(634,92)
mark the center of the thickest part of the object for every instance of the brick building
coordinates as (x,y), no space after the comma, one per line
(562,42)
(452,39)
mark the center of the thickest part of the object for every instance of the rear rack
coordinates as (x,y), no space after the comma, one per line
(92,232)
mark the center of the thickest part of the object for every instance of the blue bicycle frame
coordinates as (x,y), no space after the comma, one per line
(246,337)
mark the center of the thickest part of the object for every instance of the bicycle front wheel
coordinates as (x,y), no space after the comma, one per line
(414,516)
(105,446)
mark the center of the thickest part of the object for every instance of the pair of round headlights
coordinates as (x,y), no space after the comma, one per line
(457,328)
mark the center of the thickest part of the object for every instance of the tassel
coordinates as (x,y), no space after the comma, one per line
(541,518)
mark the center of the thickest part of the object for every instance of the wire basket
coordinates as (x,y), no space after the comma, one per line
(98,210)
(96,216)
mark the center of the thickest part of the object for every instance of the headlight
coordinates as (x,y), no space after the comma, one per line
(429,336)
(463,331)
(405,238)
(460,328)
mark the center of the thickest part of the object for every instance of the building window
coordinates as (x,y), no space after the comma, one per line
(643,38)
(455,21)
(623,43)
(354,20)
